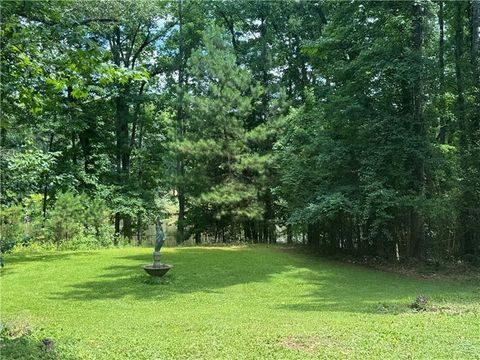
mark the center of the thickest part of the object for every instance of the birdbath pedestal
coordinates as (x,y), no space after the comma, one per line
(157,268)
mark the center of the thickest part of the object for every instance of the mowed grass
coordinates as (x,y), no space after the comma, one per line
(229,303)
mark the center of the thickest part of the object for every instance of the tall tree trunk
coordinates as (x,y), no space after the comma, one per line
(122,115)
(46,181)
(139,229)
(313,235)
(475,53)
(180,167)
(459,73)
(465,233)
(417,228)
(442,133)
(475,125)
(85,137)
(269,233)
(123,151)
(468,82)
(289,234)
(122,135)
(475,60)
(135,118)
(230,24)
(117,228)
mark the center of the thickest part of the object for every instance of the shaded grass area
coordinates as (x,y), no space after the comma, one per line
(238,302)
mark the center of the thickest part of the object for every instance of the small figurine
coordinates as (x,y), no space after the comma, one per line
(160,235)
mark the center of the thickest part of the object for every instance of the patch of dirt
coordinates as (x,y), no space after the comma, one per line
(404,309)
(310,344)
(457,310)
(16,328)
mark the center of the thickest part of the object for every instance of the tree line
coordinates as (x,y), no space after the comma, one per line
(353,127)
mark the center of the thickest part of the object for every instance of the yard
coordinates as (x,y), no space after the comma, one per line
(232,302)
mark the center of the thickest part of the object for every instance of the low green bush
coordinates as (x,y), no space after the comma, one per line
(72,221)
(11,223)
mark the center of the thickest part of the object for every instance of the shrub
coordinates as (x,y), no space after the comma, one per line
(82,242)
(73,221)
(96,221)
(34,220)
(12,229)
(420,303)
(65,219)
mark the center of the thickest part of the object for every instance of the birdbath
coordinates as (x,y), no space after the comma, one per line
(157,268)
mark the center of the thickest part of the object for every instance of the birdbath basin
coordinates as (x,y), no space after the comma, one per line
(158,270)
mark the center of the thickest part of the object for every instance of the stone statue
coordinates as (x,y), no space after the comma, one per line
(159,234)
(159,240)
(157,268)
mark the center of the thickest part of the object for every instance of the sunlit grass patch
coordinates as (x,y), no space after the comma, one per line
(236,303)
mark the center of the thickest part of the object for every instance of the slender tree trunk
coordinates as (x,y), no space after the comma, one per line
(122,117)
(135,118)
(47,178)
(229,23)
(313,236)
(269,226)
(468,81)
(122,135)
(180,168)
(117,229)
(475,53)
(85,142)
(475,124)
(289,234)
(442,134)
(464,215)
(459,73)
(139,229)
(127,227)
(269,233)
(417,229)
(123,152)
(254,231)
(475,63)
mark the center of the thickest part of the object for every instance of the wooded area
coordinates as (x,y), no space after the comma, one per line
(353,127)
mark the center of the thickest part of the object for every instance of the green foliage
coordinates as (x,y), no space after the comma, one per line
(73,221)
(11,225)
(353,123)
(25,173)
(77,221)
(358,161)
(65,219)
(218,159)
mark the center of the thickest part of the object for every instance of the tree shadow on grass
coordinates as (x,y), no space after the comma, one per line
(336,287)
(354,289)
(25,257)
(13,260)
(194,270)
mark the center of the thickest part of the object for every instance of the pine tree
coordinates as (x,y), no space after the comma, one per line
(215,149)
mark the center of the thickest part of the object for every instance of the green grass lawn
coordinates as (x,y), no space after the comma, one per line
(228,303)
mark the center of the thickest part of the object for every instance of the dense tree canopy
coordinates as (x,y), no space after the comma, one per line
(352,126)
